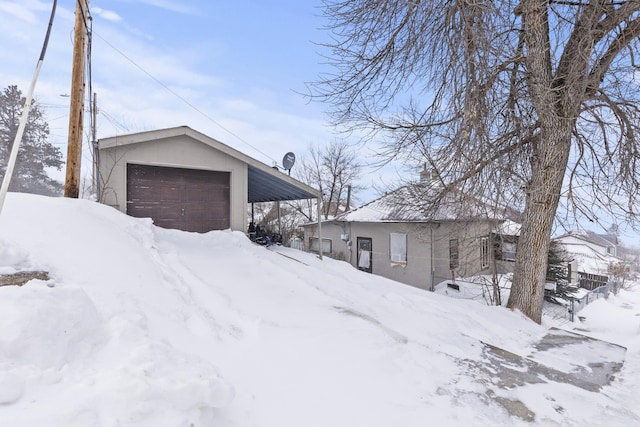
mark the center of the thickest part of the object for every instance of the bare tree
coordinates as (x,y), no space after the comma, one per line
(333,169)
(532,103)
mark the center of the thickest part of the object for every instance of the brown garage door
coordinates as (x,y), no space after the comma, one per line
(183,199)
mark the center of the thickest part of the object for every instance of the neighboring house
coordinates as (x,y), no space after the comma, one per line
(185,180)
(399,237)
(592,257)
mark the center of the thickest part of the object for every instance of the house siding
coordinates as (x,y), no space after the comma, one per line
(427,248)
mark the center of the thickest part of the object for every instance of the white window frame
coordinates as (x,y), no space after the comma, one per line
(327,245)
(454,254)
(484,252)
(398,248)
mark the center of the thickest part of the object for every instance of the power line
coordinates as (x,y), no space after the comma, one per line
(114,122)
(177,95)
(25,113)
(89,29)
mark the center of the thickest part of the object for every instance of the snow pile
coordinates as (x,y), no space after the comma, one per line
(141,326)
(82,344)
(477,288)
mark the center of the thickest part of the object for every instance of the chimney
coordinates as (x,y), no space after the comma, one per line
(425,175)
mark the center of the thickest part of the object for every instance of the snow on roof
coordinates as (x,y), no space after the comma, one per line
(415,203)
(583,250)
(580,293)
(604,240)
(595,266)
(588,259)
(508,228)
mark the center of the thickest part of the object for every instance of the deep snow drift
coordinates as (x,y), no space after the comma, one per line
(141,326)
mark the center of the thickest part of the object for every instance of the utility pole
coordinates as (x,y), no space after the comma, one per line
(76,113)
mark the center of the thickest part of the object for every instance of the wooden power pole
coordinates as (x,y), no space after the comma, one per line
(76,113)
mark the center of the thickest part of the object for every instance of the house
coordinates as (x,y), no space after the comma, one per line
(186,180)
(400,237)
(592,257)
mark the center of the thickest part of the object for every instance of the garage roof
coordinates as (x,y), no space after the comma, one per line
(269,187)
(266,184)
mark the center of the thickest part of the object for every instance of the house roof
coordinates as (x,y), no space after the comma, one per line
(266,184)
(509,228)
(588,259)
(580,246)
(604,240)
(407,204)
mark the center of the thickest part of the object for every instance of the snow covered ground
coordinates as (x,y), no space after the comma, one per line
(141,326)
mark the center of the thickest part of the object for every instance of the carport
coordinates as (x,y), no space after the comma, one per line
(269,187)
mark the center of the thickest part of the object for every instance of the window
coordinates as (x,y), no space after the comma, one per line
(398,247)
(509,251)
(453,253)
(314,245)
(484,252)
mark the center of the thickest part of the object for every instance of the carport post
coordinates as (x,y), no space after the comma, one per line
(319,229)
(279,221)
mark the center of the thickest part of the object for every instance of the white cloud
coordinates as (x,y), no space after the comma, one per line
(19,11)
(173,6)
(109,15)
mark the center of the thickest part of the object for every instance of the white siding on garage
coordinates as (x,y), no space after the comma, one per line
(179,151)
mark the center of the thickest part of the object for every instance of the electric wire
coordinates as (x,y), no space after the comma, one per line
(89,29)
(183,99)
(4,187)
(83,13)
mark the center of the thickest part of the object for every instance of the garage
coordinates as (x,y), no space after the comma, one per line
(186,180)
(179,198)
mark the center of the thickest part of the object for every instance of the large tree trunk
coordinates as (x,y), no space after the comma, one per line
(543,193)
(556,100)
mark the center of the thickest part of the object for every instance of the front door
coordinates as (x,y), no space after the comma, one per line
(365,254)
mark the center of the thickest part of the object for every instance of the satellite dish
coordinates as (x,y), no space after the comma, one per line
(288,160)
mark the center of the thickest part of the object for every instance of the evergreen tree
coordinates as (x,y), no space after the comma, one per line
(36,154)
(557,260)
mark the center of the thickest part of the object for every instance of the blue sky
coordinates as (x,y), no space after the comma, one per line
(242,65)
